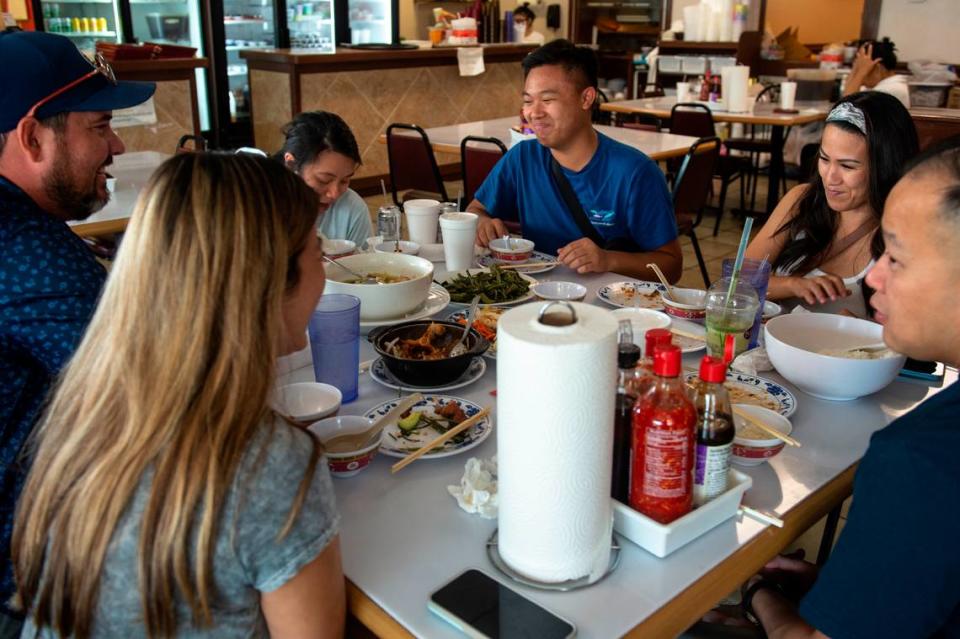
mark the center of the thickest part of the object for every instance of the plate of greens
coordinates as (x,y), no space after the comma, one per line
(495,286)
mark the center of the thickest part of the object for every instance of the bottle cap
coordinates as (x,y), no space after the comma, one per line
(656,337)
(713,369)
(666,361)
(628,355)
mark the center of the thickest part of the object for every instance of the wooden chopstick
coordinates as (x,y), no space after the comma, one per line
(764,427)
(688,334)
(762,517)
(504,267)
(453,432)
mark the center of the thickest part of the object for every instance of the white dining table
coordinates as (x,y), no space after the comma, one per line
(403,536)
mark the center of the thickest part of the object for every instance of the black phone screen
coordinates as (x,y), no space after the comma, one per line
(497,611)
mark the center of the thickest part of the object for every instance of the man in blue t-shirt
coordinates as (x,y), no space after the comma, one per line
(55,145)
(622,193)
(895,571)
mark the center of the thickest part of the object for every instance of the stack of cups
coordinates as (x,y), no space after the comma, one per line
(459,236)
(335,343)
(788,95)
(422,216)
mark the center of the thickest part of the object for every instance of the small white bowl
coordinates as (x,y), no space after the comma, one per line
(309,401)
(641,321)
(513,249)
(688,303)
(753,452)
(432,252)
(345,464)
(410,248)
(771,310)
(338,248)
(569,291)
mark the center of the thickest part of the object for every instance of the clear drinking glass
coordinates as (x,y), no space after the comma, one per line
(388,223)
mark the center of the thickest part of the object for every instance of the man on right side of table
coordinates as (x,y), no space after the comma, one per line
(895,571)
(598,204)
(55,145)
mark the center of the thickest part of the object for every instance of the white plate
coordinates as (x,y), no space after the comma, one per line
(550,262)
(688,344)
(394,446)
(629,294)
(759,391)
(437,299)
(456,316)
(473,271)
(382,375)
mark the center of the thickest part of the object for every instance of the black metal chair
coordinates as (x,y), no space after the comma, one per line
(413,166)
(691,191)
(478,156)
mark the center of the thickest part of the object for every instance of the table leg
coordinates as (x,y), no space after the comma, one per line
(829,533)
(775,175)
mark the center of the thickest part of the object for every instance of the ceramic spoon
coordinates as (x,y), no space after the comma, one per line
(356,441)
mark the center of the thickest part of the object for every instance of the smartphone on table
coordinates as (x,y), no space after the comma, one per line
(925,371)
(483,608)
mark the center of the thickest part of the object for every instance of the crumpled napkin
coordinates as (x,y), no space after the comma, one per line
(752,362)
(477,492)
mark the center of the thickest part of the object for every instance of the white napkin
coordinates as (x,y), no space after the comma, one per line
(477,492)
(470,60)
(752,362)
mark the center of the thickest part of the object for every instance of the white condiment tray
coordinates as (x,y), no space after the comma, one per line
(663,539)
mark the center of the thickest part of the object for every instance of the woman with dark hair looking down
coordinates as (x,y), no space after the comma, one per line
(822,238)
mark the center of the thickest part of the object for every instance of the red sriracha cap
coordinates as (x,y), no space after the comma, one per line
(656,337)
(713,369)
(666,361)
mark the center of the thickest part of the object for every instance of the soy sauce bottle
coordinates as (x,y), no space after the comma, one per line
(661,484)
(715,431)
(628,354)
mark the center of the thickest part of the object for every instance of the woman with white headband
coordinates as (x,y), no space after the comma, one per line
(822,238)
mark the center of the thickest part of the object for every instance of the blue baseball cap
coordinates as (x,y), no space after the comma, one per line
(36,65)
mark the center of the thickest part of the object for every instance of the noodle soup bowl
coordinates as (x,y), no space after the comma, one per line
(795,345)
(427,372)
(345,464)
(383,301)
(751,446)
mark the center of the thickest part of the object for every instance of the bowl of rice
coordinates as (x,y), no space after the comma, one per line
(818,353)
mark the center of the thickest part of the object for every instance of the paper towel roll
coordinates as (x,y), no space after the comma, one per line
(735,80)
(556,388)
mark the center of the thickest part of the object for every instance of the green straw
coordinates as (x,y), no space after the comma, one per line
(738,263)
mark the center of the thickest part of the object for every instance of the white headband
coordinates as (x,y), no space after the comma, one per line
(846,112)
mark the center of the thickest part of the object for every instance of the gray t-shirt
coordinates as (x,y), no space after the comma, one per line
(248,558)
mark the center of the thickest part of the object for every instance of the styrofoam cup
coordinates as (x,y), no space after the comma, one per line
(788,95)
(459,236)
(683,92)
(422,220)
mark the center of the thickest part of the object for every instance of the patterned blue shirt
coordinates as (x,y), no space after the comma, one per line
(49,286)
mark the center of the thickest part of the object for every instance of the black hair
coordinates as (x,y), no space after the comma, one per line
(883,50)
(311,133)
(575,60)
(891,141)
(942,159)
(56,122)
(524,10)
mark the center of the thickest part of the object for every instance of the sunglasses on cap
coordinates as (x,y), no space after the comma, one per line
(100,67)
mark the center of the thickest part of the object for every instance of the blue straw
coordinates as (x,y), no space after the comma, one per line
(738,263)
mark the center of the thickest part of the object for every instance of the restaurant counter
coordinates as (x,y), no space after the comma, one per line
(370,89)
(175,103)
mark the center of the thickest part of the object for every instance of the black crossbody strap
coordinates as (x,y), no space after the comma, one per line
(573,204)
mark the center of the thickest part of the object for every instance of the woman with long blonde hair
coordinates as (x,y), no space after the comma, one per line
(165,496)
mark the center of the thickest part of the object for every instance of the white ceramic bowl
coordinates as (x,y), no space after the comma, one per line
(514,249)
(794,342)
(687,303)
(309,401)
(410,248)
(345,464)
(569,291)
(642,320)
(771,310)
(753,452)
(338,248)
(383,301)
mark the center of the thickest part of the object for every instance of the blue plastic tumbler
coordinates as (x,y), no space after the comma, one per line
(756,273)
(335,343)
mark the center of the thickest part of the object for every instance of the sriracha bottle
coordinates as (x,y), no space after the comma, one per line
(661,484)
(643,378)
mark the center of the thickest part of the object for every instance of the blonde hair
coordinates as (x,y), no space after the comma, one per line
(172,376)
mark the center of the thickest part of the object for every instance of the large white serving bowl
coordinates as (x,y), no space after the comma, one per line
(794,343)
(383,301)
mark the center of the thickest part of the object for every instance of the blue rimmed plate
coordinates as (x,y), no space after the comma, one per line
(396,444)
(538,263)
(382,375)
(759,391)
(633,295)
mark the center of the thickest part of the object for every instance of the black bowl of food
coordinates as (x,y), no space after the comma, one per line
(419,352)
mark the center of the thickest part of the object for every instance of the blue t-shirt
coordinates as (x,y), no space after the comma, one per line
(895,571)
(622,191)
(49,286)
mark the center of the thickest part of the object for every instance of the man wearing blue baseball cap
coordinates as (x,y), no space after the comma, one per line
(55,145)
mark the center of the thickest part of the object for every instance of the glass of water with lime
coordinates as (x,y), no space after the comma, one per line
(730,313)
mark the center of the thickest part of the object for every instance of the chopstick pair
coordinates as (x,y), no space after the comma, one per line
(450,434)
(504,267)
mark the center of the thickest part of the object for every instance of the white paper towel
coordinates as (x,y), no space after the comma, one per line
(556,388)
(734,88)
